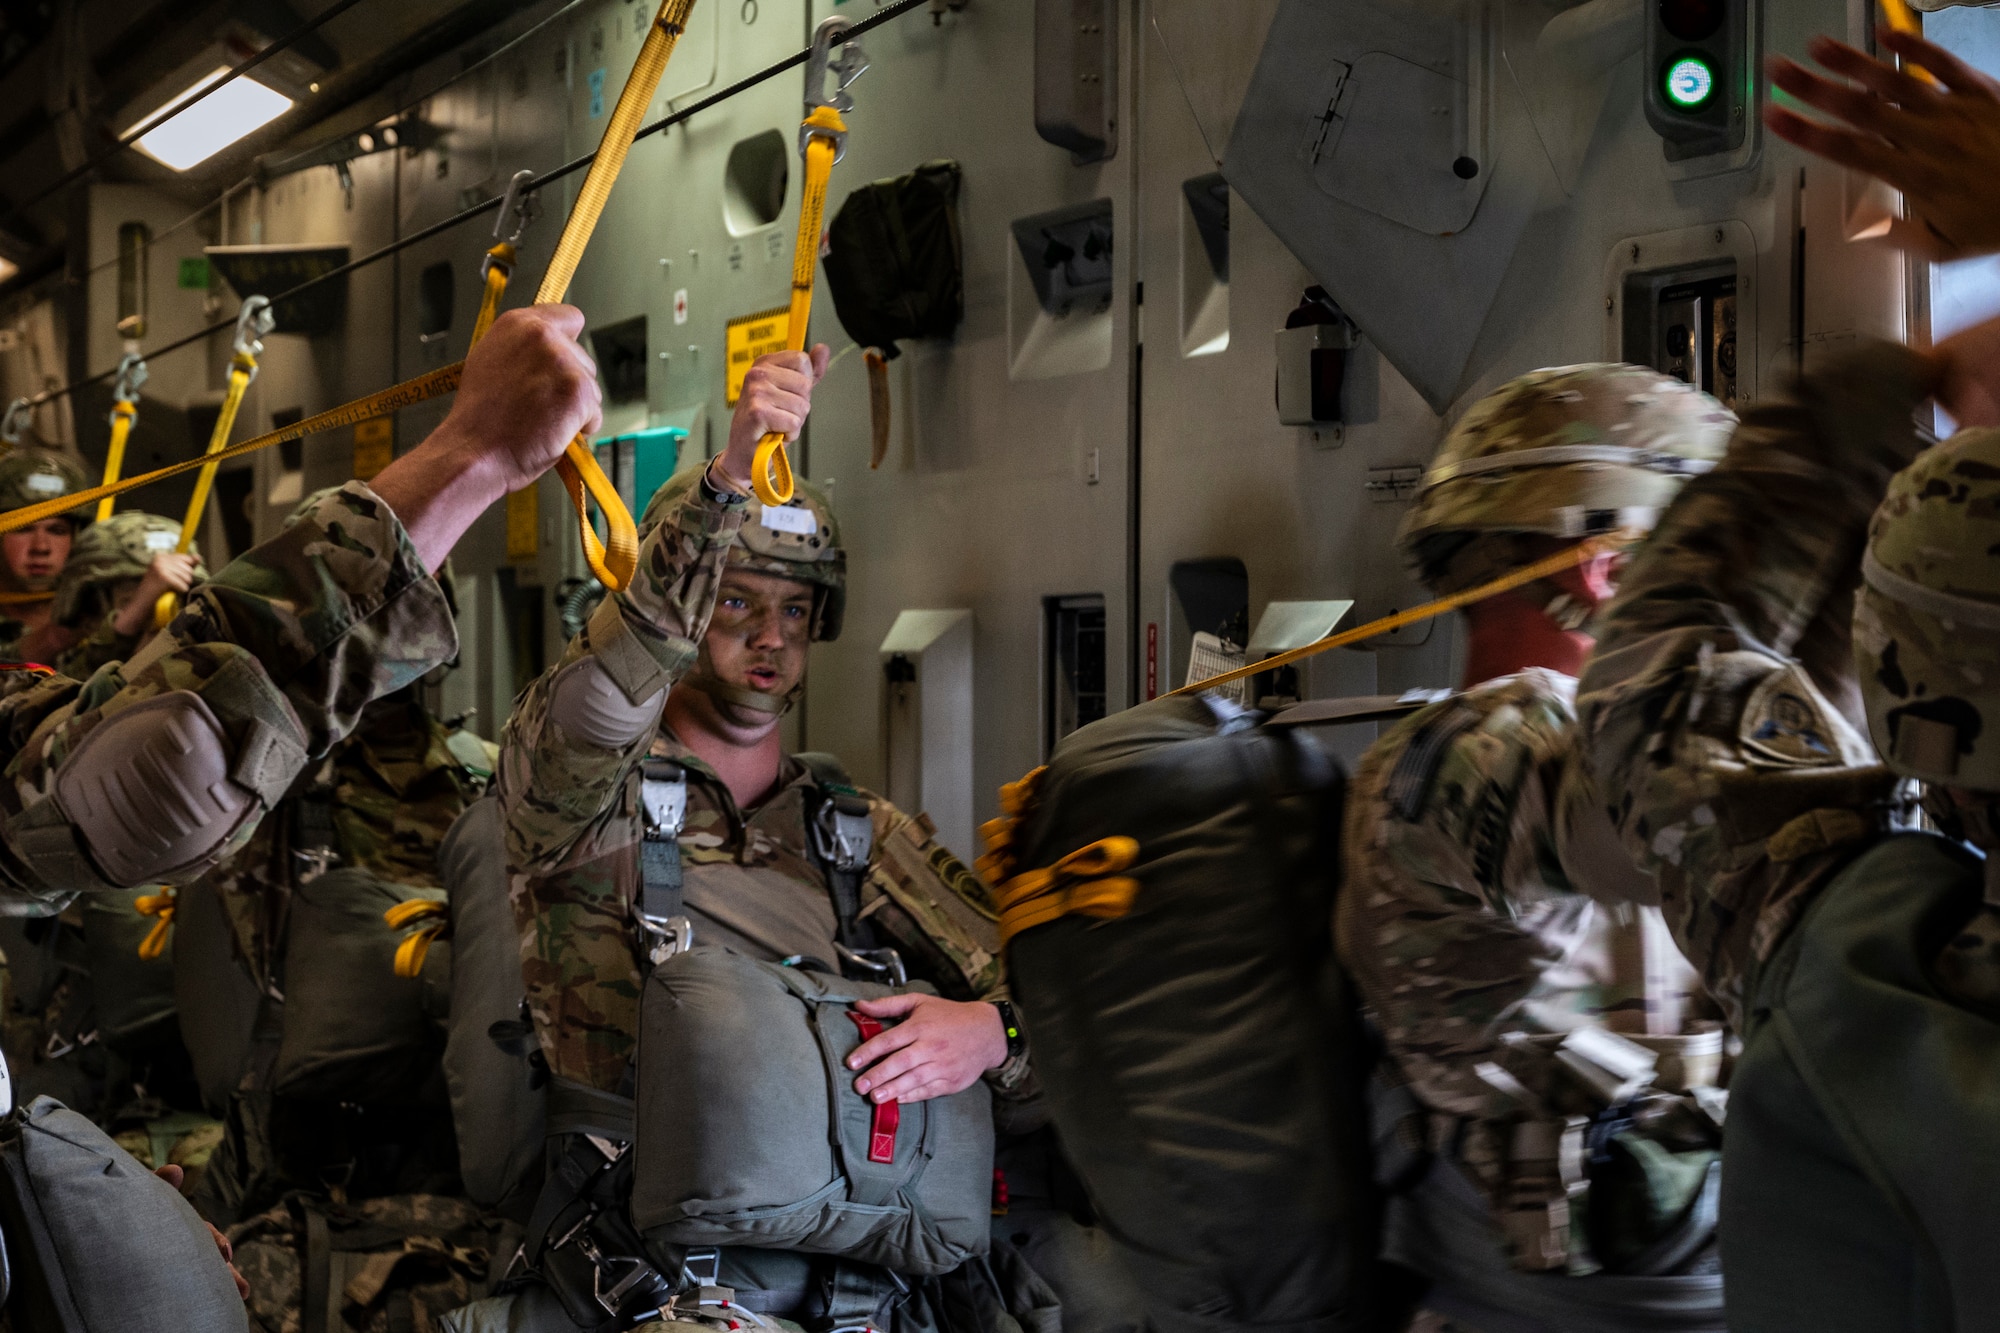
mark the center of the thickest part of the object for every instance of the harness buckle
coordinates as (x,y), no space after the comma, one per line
(885,963)
(673,935)
(849,65)
(663,798)
(843,833)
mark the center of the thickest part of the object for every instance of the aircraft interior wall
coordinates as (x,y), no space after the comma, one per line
(1049,476)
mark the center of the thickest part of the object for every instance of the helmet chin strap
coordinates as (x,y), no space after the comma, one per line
(704,679)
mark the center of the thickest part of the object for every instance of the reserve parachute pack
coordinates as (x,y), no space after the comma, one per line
(490,1069)
(749,1130)
(1166,887)
(95,1242)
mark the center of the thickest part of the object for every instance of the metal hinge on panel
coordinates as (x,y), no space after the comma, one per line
(1319,129)
(1392,483)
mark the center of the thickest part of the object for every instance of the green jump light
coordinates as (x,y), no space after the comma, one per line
(1689,82)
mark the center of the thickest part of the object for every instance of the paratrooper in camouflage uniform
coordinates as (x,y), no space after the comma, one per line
(1488,909)
(107,566)
(574,831)
(30,474)
(1861,958)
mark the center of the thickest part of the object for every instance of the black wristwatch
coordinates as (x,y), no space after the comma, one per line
(1017,1043)
(716,495)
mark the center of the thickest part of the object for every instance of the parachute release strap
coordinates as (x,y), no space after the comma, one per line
(430,917)
(614,566)
(161,906)
(124,413)
(822,142)
(252,323)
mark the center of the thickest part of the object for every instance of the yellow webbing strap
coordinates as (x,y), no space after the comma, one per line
(242,369)
(580,473)
(1087,882)
(499,266)
(1899,17)
(1580,554)
(771,471)
(431,384)
(123,414)
(432,916)
(160,905)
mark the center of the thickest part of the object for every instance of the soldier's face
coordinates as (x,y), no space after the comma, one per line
(758,636)
(36,553)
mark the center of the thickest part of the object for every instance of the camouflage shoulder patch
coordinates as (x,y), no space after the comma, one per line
(1784,724)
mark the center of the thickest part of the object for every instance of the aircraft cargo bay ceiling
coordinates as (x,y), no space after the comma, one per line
(74,78)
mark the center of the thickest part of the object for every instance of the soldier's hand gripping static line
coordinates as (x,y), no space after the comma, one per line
(777,395)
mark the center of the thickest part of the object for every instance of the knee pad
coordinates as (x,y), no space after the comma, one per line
(149,792)
(588,705)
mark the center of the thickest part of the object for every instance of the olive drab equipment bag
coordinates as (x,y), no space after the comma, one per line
(895,266)
(96,1243)
(1197,1044)
(749,1130)
(490,1061)
(353,1029)
(894,262)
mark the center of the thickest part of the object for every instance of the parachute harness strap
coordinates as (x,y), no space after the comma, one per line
(252,323)
(124,412)
(822,142)
(614,566)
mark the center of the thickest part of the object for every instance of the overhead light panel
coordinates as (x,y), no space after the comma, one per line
(183,139)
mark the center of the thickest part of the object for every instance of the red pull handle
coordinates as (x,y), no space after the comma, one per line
(889,1114)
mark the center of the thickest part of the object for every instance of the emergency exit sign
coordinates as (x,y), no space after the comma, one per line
(750,337)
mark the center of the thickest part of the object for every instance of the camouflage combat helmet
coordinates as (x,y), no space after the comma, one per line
(30,474)
(1566,452)
(108,553)
(799,540)
(1927,618)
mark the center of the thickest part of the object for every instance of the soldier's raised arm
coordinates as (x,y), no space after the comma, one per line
(157,768)
(584,722)
(1721,757)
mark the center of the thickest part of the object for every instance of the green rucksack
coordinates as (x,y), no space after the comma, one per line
(1200,1054)
(895,264)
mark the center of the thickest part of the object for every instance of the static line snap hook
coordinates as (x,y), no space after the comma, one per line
(849,65)
(16,420)
(253,322)
(131,376)
(520,204)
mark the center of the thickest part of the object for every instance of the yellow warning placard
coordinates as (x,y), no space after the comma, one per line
(523,518)
(374,446)
(752,336)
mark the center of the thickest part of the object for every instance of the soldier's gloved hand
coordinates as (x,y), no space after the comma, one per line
(529,388)
(777,395)
(1939,146)
(941,1047)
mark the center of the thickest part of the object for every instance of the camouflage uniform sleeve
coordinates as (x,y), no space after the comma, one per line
(100,648)
(553,785)
(285,647)
(1458,906)
(941,914)
(1724,763)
